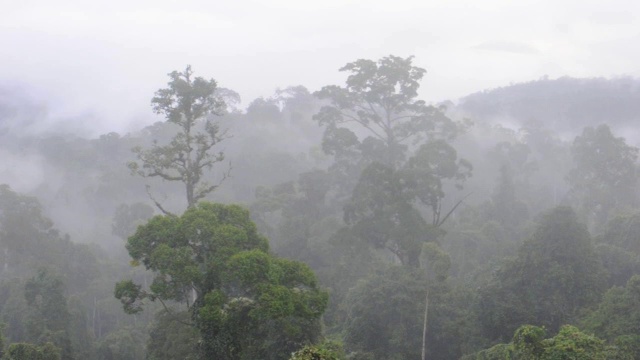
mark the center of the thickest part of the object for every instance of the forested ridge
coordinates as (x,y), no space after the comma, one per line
(357,221)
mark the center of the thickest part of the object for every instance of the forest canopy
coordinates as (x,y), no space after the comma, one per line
(357,221)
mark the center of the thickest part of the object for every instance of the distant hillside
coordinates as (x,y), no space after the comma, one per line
(564,105)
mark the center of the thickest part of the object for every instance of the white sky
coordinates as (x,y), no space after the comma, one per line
(102,60)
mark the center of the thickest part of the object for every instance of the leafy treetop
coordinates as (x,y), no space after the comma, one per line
(381,98)
(240,297)
(185,103)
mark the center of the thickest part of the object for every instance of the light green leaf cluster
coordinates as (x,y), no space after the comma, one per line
(240,297)
(569,344)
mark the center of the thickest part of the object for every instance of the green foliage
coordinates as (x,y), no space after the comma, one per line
(628,347)
(129,294)
(389,167)
(496,352)
(326,350)
(619,312)
(346,260)
(569,344)
(37,308)
(619,264)
(272,306)
(605,175)
(435,262)
(2,340)
(385,314)
(505,207)
(188,253)
(475,243)
(244,302)
(381,98)
(555,275)
(623,231)
(14,310)
(127,218)
(184,103)
(172,336)
(425,173)
(49,319)
(30,241)
(123,344)
(25,351)
(381,213)
(527,342)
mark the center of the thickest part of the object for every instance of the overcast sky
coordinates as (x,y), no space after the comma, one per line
(99,62)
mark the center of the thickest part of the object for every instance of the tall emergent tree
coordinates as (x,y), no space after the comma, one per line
(381,97)
(403,158)
(189,103)
(397,149)
(245,303)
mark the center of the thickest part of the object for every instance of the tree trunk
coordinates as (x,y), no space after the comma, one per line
(424,326)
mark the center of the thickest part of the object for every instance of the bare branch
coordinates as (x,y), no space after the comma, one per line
(453,209)
(202,193)
(158,205)
(359,121)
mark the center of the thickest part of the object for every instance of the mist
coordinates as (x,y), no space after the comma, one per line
(327,180)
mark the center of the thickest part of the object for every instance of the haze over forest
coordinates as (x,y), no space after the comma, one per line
(329,180)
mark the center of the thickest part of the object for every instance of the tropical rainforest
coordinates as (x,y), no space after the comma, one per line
(355,221)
